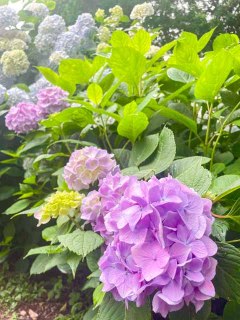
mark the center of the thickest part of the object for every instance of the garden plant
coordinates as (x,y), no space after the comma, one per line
(128,162)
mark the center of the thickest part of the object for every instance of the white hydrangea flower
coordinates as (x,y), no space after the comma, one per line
(56,57)
(8,17)
(104,34)
(16,95)
(3,91)
(152,51)
(39,10)
(14,63)
(141,11)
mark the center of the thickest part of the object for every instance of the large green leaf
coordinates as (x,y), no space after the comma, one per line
(181,165)
(224,185)
(77,71)
(226,40)
(232,311)
(189,313)
(141,41)
(180,76)
(143,149)
(164,155)
(128,65)
(196,177)
(81,242)
(44,250)
(45,262)
(113,310)
(227,280)
(214,75)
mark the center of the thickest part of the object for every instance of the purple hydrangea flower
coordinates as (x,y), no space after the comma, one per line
(51,100)
(23,117)
(158,241)
(86,166)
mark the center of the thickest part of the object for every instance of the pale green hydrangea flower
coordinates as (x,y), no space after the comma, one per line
(16,44)
(104,34)
(14,63)
(100,14)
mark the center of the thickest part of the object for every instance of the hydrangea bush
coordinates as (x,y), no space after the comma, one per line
(130,160)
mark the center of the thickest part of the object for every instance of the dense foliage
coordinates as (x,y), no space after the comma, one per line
(131,157)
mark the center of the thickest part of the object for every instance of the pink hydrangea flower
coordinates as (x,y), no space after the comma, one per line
(158,242)
(87,166)
(51,100)
(23,117)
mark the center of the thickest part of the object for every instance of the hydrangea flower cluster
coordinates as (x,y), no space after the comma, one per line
(86,166)
(14,62)
(158,236)
(51,100)
(48,31)
(141,11)
(61,203)
(3,92)
(16,95)
(23,117)
(8,17)
(38,10)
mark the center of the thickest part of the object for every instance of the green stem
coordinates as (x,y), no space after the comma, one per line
(208,127)
(176,93)
(233,241)
(105,134)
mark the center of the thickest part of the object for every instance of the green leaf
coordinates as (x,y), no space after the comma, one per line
(143,149)
(196,177)
(181,165)
(77,71)
(185,58)
(49,157)
(163,157)
(81,242)
(214,76)
(226,41)
(44,250)
(98,295)
(189,313)
(161,52)
(73,261)
(180,76)
(45,262)
(95,93)
(113,310)
(219,229)
(50,233)
(18,206)
(75,118)
(227,280)
(128,65)
(178,117)
(34,143)
(231,311)
(49,74)
(224,185)
(133,122)
(141,41)
(6,192)
(203,41)
(120,39)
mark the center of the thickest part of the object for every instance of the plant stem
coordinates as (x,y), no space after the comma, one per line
(210,107)
(233,241)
